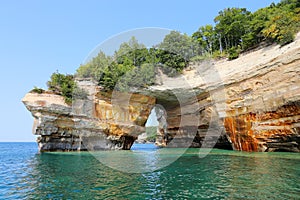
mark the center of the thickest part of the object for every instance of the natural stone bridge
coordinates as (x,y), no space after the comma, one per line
(249,104)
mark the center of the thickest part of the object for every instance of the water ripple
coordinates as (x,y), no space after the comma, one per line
(24,174)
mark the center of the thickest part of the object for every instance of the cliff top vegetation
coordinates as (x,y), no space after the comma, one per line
(235,30)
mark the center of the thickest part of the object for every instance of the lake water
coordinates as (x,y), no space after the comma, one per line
(26,174)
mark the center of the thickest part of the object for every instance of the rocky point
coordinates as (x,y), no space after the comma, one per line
(248,104)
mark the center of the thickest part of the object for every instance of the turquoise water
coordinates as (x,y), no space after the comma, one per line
(26,174)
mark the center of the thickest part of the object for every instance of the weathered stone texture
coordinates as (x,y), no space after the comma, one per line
(249,104)
(94,124)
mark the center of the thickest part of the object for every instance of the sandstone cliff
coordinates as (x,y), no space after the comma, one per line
(93,124)
(253,102)
(250,104)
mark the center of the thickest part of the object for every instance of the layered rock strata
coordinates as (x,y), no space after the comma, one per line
(93,124)
(249,104)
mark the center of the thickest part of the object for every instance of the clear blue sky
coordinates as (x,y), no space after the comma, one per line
(39,37)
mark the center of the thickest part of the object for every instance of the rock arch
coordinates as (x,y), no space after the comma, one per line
(253,107)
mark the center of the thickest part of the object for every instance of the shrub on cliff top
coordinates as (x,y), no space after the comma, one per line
(66,86)
(63,85)
(133,65)
(37,90)
(236,30)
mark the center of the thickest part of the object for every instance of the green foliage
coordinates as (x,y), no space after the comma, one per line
(198,58)
(133,65)
(112,73)
(125,63)
(218,55)
(65,85)
(231,25)
(37,90)
(170,63)
(248,40)
(151,133)
(283,23)
(206,37)
(131,53)
(237,27)
(181,45)
(235,30)
(94,68)
(138,77)
(233,53)
(134,57)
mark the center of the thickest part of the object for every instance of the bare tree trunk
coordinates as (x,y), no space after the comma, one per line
(220,42)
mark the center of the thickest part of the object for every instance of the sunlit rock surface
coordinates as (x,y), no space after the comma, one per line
(249,104)
(88,125)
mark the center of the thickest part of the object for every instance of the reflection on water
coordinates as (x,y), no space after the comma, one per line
(142,158)
(220,175)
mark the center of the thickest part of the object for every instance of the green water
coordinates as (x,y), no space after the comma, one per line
(219,175)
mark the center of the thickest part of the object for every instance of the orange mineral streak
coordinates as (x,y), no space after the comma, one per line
(248,131)
(116,130)
(41,103)
(240,133)
(122,110)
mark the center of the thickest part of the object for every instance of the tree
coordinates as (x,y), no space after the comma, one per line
(236,30)
(206,37)
(138,77)
(283,23)
(126,54)
(231,24)
(180,44)
(253,34)
(112,73)
(63,85)
(94,68)
(170,63)
(134,57)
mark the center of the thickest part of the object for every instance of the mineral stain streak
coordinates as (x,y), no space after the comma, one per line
(254,105)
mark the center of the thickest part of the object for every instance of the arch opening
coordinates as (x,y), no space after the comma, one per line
(151,126)
(164,128)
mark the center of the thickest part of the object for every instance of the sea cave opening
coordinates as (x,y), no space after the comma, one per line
(169,125)
(146,140)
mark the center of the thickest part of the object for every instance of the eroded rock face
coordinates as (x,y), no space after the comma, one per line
(276,130)
(194,122)
(92,124)
(249,104)
(263,109)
